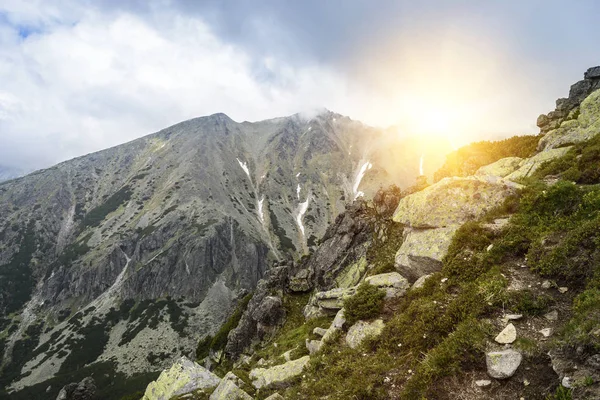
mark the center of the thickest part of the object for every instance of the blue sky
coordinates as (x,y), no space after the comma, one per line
(79,76)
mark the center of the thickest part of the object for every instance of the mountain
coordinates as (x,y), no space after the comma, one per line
(123,259)
(482,285)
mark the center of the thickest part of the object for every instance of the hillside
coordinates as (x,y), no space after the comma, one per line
(493,294)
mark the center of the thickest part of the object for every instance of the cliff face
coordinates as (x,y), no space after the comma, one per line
(151,243)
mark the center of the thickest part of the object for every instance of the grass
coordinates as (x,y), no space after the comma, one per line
(96,215)
(366,304)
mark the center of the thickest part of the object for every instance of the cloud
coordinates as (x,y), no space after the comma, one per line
(80,76)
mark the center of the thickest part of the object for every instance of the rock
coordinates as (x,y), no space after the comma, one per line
(508,335)
(301,282)
(419,283)
(563,289)
(275,396)
(546,332)
(453,201)
(566,382)
(336,325)
(313,346)
(511,317)
(84,390)
(483,383)
(320,331)
(542,121)
(393,283)
(361,330)
(503,364)
(552,315)
(497,225)
(592,73)
(228,389)
(279,374)
(422,251)
(546,285)
(334,299)
(184,376)
(530,165)
(594,361)
(501,168)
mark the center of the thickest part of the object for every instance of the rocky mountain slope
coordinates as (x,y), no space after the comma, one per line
(150,245)
(476,287)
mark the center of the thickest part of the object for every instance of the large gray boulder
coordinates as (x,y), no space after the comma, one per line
(279,374)
(185,376)
(84,390)
(503,364)
(228,389)
(453,201)
(362,330)
(500,168)
(530,165)
(393,283)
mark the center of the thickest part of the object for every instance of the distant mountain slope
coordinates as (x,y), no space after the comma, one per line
(150,244)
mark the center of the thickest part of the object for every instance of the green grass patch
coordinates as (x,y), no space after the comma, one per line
(366,304)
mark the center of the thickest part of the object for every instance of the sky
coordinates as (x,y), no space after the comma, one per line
(81,76)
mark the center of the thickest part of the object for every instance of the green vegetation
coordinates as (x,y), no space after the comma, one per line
(96,215)
(285,242)
(366,304)
(581,164)
(468,159)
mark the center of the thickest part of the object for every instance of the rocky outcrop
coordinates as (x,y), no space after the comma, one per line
(529,165)
(503,364)
(228,389)
(279,374)
(263,315)
(566,108)
(362,330)
(84,390)
(453,201)
(584,127)
(434,214)
(394,284)
(183,377)
(500,168)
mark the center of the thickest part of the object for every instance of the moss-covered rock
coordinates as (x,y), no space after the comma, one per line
(530,165)
(279,374)
(184,376)
(393,283)
(500,168)
(453,201)
(362,330)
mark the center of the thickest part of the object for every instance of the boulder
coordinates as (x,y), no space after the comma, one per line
(530,165)
(393,283)
(279,374)
(301,282)
(336,325)
(313,346)
(84,390)
(183,377)
(500,168)
(453,201)
(228,389)
(503,364)
(334,299)
(508,335)
(361,330)
(319,331)
(419,283)
(422,251)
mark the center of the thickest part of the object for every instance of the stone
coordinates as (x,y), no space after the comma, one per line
(508,335)
(419,283)
(501,168)
(563,289)
(546,332)
(84,390)
(334,299)
(183,377)
(546,285)
(320,331)
(422,251)
(530,165)
(361,330)
(313,346)
(453,201)
(275,396)
(503,364)
(393,283)
(279,374)
(301,281)
(542,121)
(229,390)
(552,315)
(483,383)
(511,317)
(592,73)
(336,325)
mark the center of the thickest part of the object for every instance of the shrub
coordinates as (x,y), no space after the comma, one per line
(367,303)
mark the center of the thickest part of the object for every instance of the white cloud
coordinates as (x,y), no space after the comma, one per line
(76,88)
